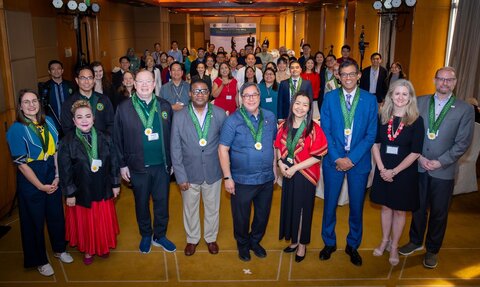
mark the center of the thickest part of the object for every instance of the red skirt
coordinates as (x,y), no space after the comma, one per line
(92,230)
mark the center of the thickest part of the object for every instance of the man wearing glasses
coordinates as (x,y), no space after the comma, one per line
(176,91)
(194,149)
(142,136)
(349,120)
(449,126)
(101,106)
(249,169)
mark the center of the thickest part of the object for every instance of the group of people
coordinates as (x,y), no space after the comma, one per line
(245,130)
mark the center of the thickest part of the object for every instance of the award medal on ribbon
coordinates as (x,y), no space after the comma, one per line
(348,115)
(142,111)
(91,148)
(434,125)
(347,132)
(256,134)
(148,131)
(202,132)
(292,141)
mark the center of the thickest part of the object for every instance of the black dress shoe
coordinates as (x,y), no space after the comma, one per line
(299,258)
(355,258)
(244,254)
(258,250)
(289,249)
(327,252)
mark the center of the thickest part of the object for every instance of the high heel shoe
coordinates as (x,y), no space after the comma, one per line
(299,258)
(394,260)
(290,249)
(385,245)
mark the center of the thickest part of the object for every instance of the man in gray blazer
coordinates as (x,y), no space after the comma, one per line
(194,145)
(449,123)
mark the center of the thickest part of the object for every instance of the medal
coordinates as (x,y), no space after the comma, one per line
(148,131)
(94,168)
(431,136)
(258,146)
(290,160)
(347,132)
(202,142)
(45,157)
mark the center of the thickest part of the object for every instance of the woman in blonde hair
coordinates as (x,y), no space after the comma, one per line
(398,145)
(90,179)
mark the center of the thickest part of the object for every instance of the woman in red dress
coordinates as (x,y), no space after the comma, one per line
(300,145)
(90,179)
(310,74)
(225,89)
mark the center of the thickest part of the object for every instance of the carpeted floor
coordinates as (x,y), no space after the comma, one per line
(459,259)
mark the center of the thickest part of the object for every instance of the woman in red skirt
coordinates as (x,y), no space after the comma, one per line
(89,177)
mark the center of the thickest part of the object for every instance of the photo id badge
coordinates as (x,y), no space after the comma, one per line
(268,100)
(96,164)
(153,137)
(392,150)
(228,97)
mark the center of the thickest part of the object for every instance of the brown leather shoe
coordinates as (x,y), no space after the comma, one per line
(190,249)
(212,247)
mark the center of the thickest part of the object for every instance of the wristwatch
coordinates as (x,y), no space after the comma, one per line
(226,178)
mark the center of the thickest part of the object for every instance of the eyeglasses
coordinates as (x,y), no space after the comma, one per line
(448,80)
(200,91)
(146,82)
(32,102)
(82,78)
(250,96)
(348,75)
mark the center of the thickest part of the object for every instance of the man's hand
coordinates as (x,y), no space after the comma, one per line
(184,186)
(344,164)
(230,186)
(125,172)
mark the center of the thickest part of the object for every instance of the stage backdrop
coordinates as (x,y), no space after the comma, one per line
(228,35)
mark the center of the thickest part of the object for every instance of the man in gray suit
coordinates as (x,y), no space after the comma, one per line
(194,144)
(450,124)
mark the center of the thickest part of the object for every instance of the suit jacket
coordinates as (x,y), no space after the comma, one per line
(363,134)
(381,89)
(191,162)
(284,96)
(129,132)
(454,137)
(49,101)
(74,168)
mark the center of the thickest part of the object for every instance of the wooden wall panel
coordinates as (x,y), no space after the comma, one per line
(429,40)
(334,29)
(365,15)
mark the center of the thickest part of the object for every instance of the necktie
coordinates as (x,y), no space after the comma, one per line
(349,102)
(295,84)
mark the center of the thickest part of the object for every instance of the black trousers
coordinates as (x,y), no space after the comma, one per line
(241,202)
(37,207)
(435,196)
(154,183)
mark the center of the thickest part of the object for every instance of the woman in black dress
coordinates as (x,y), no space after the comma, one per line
(398,145)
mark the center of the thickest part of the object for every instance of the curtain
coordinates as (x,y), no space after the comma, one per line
(465,52)
(386,22)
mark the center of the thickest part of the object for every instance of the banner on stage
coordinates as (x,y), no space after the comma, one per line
(231,35)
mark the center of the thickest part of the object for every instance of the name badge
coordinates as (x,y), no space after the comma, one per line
(268,100)
(392,150)
(228,97)
(153,137)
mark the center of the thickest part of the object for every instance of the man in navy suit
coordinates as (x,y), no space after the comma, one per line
(373,78)
(289,87)
(349,120)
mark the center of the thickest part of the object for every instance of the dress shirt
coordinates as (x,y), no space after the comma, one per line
(439,104)
(373,80)
(349,138)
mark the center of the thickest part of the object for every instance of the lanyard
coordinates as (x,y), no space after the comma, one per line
(36,129)
(92,150)
(348,115)
(292,88)
(141,111)
(202,135)
(291,144)
(434,125)
(257,135)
